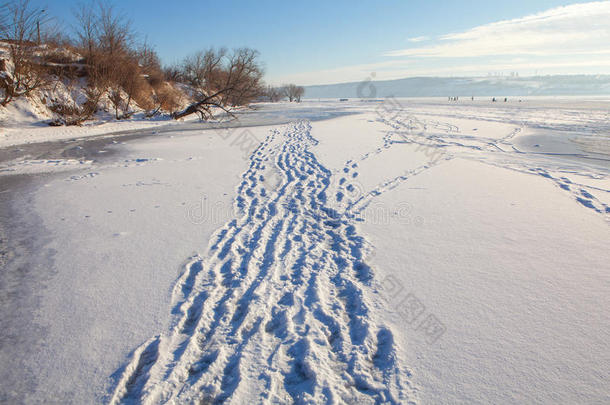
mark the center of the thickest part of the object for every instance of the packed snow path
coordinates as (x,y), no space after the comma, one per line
(279,310)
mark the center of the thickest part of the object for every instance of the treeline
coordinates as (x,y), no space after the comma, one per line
(102,60)
(290,91)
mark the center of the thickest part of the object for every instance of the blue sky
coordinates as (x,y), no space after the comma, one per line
(310,42)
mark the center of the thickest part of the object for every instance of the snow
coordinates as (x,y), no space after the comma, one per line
(518,276)
(20,124)
(412,250)
(25,122)
(30,166)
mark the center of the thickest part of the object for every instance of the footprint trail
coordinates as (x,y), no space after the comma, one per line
(280,308)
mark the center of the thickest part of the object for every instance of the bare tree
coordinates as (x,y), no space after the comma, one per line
(116,98)
(126,84)
(86,30)
(105,38)
(221,80)
(274,94)
(150,64)
(3,19)
(113,65)
(293,92)
(134,84)
(148,58)
(53,33)
(114,33)
(244,78)
(204,69)
(299,93)
(19,29)
(173,73)
(116,67)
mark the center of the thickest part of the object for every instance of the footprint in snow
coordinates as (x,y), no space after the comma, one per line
(265,287)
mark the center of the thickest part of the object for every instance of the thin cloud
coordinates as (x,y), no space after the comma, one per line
(418,39)
(572,39)
(573,29)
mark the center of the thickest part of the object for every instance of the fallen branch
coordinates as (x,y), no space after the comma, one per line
(204,106)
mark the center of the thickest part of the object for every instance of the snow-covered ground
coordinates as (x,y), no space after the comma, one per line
(23,123)
(399,251)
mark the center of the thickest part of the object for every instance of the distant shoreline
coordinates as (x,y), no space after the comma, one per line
(488,86)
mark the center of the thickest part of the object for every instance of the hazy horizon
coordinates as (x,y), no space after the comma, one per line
(498,76)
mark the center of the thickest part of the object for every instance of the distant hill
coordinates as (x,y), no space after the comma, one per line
(492,86)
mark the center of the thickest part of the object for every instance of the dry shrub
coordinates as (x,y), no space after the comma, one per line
(144,97)
(71,113)
(169,97)
(116,98)
(164,97)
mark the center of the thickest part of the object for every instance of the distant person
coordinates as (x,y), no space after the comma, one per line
(505,99)
(493,100)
